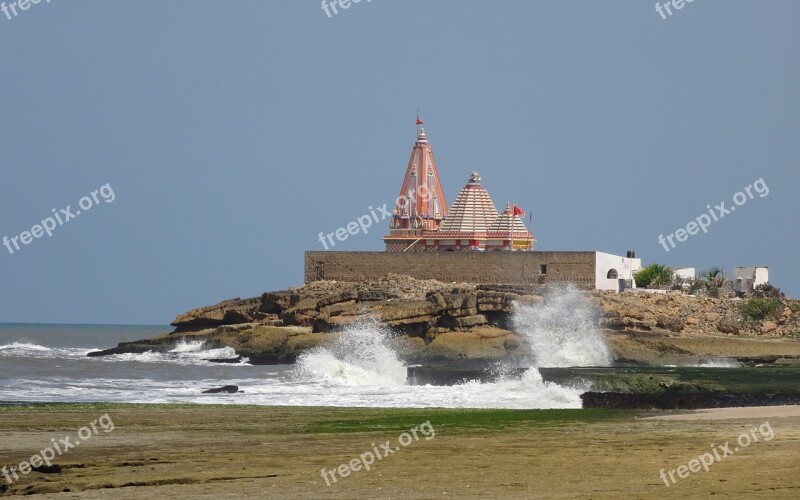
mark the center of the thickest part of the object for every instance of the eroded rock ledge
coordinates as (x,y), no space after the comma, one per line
(431,322)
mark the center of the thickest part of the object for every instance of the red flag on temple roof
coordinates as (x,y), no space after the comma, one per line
(519,211)
(419,122)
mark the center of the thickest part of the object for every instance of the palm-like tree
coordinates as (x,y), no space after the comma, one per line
(713,277)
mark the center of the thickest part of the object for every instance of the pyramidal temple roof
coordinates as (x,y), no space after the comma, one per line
(473,211)
(507,222)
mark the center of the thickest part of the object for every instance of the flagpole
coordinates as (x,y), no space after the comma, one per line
(511,225)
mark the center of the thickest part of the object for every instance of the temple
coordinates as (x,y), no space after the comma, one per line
(469,242)
(421,221)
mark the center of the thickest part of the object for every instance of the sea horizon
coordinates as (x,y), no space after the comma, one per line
(22,323)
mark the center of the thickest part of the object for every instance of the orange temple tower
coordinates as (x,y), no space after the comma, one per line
(421,205)
(421,221)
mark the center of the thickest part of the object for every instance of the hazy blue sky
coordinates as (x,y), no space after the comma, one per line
(233,132)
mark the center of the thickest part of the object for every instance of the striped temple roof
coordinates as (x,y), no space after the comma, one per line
(507,222)
(473,211)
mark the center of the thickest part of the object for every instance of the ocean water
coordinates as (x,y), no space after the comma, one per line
(48,363)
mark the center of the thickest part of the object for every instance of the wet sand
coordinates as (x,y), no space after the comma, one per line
(749,413)
(266,452)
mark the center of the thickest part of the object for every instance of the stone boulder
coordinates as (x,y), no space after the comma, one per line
(728,325)
(670,323)
(485,342)
(225,313)
(768,327)
(225,389)
(406,312)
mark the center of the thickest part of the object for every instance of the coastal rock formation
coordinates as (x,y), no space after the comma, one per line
(431,321)
(689,315)
(229,312)
(225,389)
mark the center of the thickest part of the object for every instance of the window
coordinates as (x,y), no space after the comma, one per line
(612,274)
(542,269)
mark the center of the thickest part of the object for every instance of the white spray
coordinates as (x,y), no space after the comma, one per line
(562,330)
(358,356)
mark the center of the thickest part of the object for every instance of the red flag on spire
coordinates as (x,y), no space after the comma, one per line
(419,122)
(519,211)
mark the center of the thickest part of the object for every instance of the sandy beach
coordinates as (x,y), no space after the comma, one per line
(749,413)
(267,452)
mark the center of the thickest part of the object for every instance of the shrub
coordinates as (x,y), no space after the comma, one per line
(755,309)
(654,274)
(696,286)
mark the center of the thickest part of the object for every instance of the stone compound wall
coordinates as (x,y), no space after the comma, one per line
(471,267)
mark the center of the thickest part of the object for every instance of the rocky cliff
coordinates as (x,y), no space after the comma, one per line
(431,321)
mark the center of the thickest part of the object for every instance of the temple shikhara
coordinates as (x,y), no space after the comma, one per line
(421,221)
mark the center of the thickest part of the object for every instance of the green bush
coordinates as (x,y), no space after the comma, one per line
(654,274)
(760,309)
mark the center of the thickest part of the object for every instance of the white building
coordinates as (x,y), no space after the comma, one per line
(685,273)
(610,269)
(745,279)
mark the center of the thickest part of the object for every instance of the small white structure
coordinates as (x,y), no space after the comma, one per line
(611,269)
(745,279)
(685,273)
